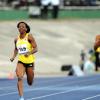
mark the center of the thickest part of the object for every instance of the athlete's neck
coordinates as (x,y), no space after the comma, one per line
(22,35)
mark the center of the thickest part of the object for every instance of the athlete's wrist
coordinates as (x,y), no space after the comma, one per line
(11,59)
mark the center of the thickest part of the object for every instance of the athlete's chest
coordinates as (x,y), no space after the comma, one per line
(22,46)
(22,42)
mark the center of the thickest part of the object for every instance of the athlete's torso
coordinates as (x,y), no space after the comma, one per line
(24,46)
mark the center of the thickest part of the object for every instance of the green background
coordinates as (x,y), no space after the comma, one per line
(23,14)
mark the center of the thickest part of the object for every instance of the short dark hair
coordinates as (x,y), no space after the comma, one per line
(27,26)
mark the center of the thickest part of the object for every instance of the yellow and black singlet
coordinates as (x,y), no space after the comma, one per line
(24,46)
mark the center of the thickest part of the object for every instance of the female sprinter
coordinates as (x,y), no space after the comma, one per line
(25,47)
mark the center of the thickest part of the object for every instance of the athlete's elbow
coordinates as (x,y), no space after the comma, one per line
(36,50)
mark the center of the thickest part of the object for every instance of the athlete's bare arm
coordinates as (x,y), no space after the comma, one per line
(33,43)
(15,51)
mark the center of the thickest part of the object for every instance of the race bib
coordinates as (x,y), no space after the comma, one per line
(22,49)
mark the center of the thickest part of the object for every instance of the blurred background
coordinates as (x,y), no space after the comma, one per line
(64,30)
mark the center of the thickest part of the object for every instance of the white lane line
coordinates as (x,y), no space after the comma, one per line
(43,81)
(40,97)
(52,94)
(28,90)
(91,97)
(8,93)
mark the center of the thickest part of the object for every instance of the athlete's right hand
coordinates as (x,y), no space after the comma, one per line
(11,59)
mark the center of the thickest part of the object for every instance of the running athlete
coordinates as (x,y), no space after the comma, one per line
(25,47)
(97,51)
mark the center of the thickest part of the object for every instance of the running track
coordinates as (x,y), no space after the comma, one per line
(54,88)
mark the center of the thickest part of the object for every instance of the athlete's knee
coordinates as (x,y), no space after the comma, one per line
(20,78)
(30,82)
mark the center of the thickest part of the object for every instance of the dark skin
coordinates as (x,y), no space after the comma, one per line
(97,42)
(20,69)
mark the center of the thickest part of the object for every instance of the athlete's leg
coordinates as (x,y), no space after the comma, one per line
(20,70)
(30,74)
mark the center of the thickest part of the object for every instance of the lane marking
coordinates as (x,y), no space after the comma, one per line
(91,97)
(28,90)
(52,94)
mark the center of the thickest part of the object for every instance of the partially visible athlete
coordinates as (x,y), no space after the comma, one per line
(97,51)
(25,47)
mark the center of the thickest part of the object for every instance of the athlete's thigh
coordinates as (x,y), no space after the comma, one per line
(30,72)
(20,70)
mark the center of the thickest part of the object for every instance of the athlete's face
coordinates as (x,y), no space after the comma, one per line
(22,28)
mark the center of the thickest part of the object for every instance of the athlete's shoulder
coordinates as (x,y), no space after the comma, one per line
(30,36)
(97,36)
